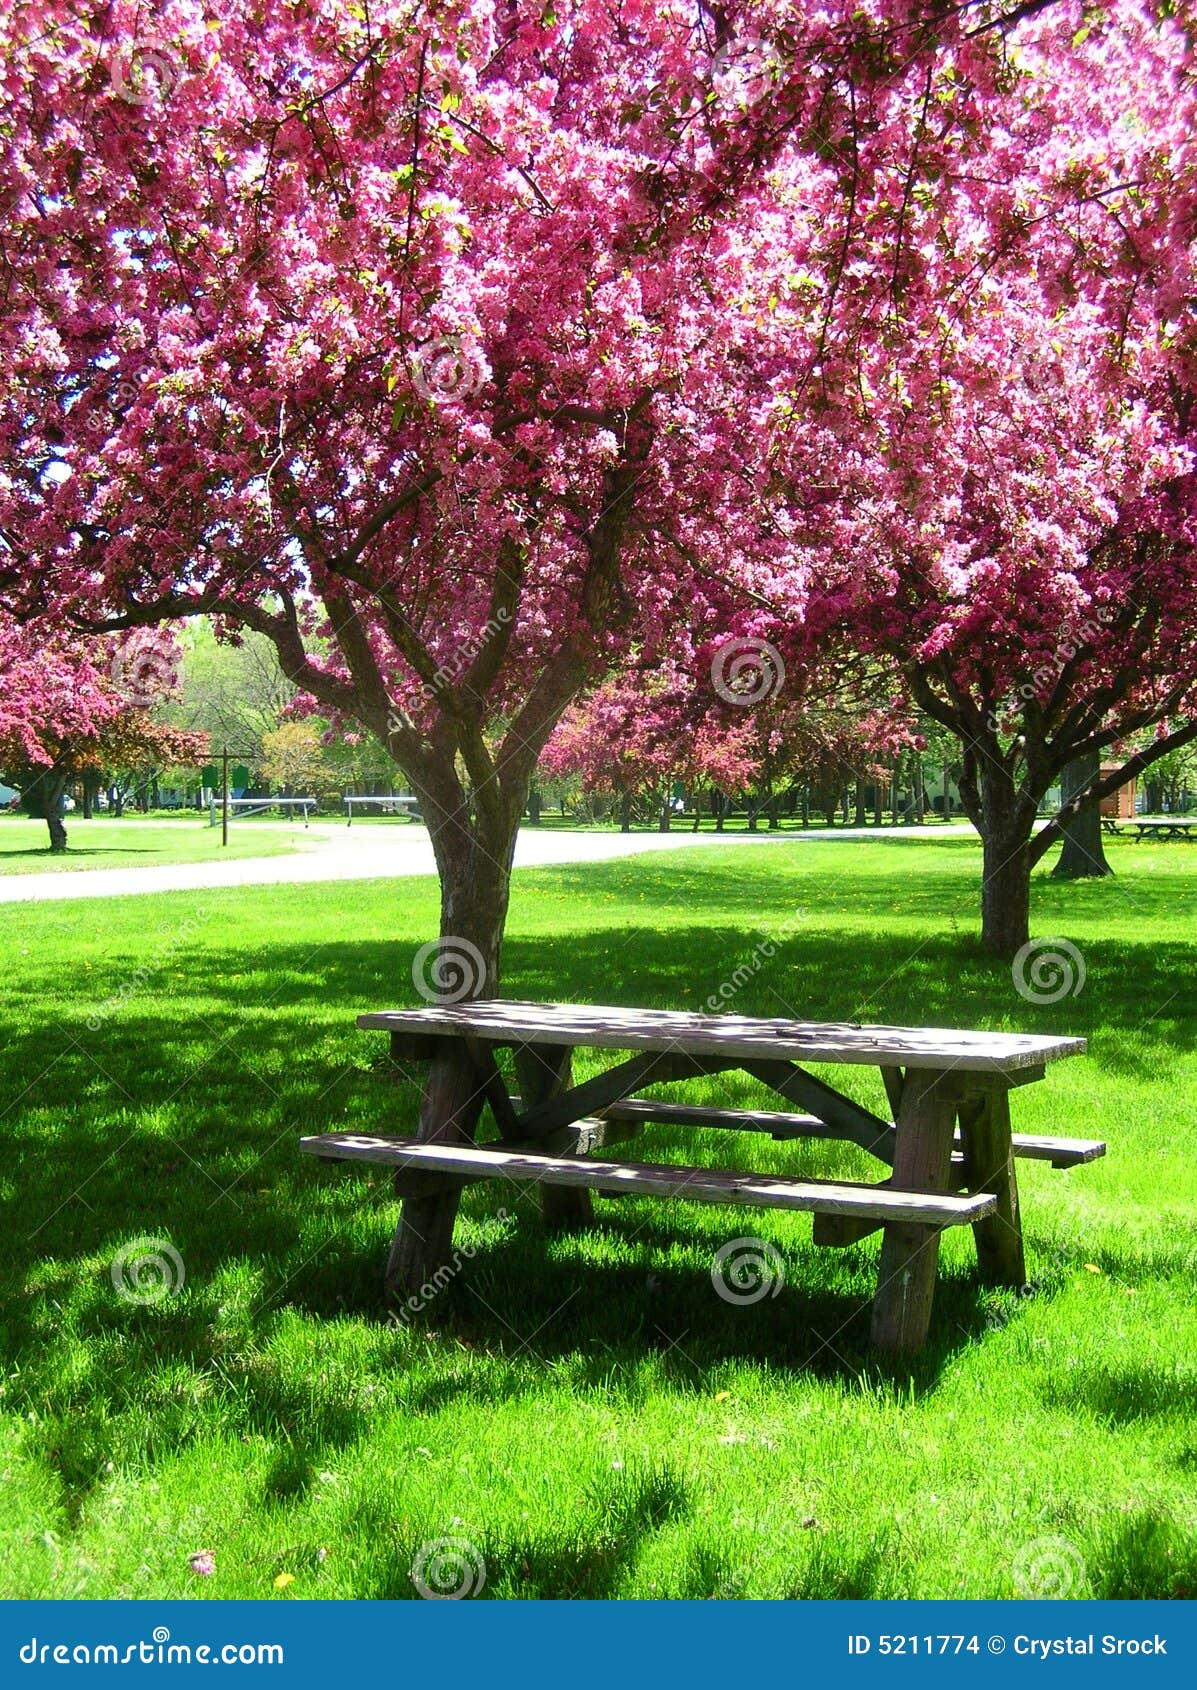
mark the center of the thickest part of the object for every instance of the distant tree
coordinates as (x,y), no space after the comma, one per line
(294,757)
(69,705)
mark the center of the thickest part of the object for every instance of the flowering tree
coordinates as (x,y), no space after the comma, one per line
(447,349)
(1017,507)
(641,732)
(70,705)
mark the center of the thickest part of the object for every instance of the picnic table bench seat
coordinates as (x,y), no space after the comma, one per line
(946,1150)
(467,1164)
(640,1112)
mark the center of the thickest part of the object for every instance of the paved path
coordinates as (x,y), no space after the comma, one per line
(329,852)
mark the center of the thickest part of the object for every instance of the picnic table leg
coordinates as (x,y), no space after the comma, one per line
(542,1071)
(989,1166)
(449,1112)
(926,1121)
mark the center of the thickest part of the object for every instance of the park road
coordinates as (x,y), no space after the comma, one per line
(328,851)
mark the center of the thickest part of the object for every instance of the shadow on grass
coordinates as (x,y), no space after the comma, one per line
(177,1119)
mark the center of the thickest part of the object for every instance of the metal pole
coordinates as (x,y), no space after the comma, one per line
(224,813)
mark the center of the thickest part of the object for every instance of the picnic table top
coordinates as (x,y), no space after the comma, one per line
(509,1020)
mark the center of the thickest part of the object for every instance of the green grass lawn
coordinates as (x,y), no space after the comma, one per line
(584,1410)
(139,842)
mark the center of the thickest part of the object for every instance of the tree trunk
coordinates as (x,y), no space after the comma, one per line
(55,790)
(1004,815)
(771,811)
(625,813)
(663,823)
(1005,895)
(719,802)
(860,818)
(534,807)
(474,859)
(1083,856)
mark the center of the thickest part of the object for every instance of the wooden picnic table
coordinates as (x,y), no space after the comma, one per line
(948,1152)
(1161,827)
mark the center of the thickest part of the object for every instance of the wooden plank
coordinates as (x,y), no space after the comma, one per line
(1060,1152)
(989,1166)
(910,1250)
(779,1124)
(513,1022)
(893,1079)
(644,1179)
(640,1112)
(545,1072)
(449,1111)
(594,1095)
(494,1085)
(578,1139)
(850,1120)
(837,1231)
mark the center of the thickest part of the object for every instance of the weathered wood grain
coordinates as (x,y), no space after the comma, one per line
(509,1021)
(641,1179)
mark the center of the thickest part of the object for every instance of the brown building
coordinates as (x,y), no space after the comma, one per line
(1122,802)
